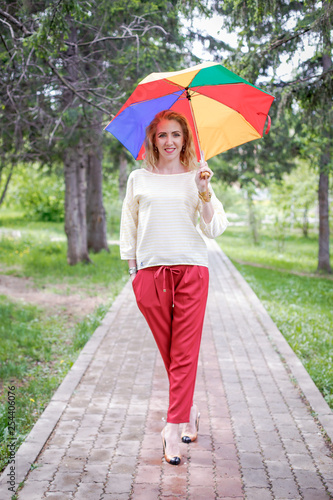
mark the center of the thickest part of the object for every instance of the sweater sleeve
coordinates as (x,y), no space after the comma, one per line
(129,223)
(219,222)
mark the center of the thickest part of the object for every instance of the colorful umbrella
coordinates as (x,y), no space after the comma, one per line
(223,109)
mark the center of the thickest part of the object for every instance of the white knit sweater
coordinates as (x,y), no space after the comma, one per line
(159,219)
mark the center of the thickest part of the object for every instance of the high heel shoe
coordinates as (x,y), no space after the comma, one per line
(171,460)
(186,436)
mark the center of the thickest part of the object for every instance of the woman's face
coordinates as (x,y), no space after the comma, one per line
(169,139)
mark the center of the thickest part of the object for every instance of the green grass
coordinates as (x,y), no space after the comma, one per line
(298,254)
(37,349)
(45,261)
(18,221)
(300,305)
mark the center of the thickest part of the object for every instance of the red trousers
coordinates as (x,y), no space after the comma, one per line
(173,301)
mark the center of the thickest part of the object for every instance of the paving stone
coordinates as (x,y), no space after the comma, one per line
(200,492)
(279,470)
(33,490)
(150,457)
(251,460)
(255,478)
(71,413)
(148,443)
(233,498)
(246,445)
(227,468)
(294,446)
(57,495)
(225,451)
(43,472)
(128,448)
(289,432)
(119,483)
(148,474)
(313,494)
(307,425)
(174,486)
(79,449)
(72,464)
(65,482)
(244,430)
(264,424)
(258,493)
(60,440)
(201,476)
(85,434)
(51,455)
(104,440)
(230,487)
(68,427)
(303,462)
(201,458)
(95,473)
(91,491)
(285,488)
(308,479)
(114,496)
(145,491)
(123,465)
(276,452)
(268,438)
(101,456)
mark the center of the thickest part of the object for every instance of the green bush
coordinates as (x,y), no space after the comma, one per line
(39,193)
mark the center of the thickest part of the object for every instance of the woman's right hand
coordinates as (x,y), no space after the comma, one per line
(133,276)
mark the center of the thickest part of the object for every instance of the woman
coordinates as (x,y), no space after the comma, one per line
(168,261)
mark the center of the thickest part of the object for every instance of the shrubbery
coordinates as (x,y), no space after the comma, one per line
(40,194)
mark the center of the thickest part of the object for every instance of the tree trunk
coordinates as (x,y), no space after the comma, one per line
(122,175)
(96,218)
(75,166)
(324,228)
(305,226)
(323,190)
(253,220)
(75,206)
(2,197)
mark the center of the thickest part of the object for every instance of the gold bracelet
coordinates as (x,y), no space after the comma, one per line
(205,196)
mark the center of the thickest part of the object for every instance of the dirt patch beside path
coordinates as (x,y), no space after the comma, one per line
(70,301)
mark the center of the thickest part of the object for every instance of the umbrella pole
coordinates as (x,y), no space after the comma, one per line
(202,154)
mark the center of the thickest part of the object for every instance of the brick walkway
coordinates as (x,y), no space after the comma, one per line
(100,436)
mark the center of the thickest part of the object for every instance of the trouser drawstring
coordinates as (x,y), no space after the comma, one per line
(172,272)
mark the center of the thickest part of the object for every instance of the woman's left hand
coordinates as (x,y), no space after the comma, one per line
(202,181)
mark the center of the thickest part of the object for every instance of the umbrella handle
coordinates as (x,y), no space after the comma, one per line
(204,175)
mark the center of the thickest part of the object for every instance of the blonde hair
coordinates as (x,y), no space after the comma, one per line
(188,157)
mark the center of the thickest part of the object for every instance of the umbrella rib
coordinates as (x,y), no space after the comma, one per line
(152,99)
